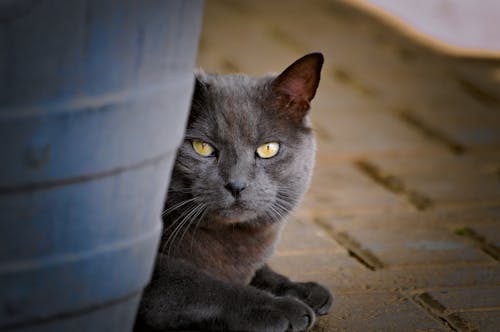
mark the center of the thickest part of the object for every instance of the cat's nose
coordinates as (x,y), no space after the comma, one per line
(236,187)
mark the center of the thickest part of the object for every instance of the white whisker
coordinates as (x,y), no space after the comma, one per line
(184,222)
(176,206)
(174,223)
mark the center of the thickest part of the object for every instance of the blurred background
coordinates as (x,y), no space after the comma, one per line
(402,220)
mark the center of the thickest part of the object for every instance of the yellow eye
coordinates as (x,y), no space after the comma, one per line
(268,150)
(202,148)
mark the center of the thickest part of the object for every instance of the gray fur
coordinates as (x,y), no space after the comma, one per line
(210,273)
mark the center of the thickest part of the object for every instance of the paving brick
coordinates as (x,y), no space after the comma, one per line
(400,243)
(451,218)
(339,188)
(299,238)
(466,309)
(460,117)
(467,299)
(351,132)
(490,232)
(376,312)
(447,180)
(474,133)
(343,273)
(484,321)
(486,163)
(299,267)
(448,188)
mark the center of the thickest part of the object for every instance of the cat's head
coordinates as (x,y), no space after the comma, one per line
(249,150)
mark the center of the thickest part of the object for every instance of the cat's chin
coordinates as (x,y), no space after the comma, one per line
(235,214)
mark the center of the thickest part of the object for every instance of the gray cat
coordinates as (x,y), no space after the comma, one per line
(245,164)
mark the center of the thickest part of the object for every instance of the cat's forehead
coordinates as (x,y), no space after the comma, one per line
(237,88)
(236,107)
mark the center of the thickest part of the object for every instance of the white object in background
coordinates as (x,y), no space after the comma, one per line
(457,26)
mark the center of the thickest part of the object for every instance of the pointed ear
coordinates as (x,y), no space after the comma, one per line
(199,84)
(198,100)
(293,89)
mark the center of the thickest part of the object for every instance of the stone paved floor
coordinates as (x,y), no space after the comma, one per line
(402,220)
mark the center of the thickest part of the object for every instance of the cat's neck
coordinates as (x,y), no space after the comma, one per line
(231,252)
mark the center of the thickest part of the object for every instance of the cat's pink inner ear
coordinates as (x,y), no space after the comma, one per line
(295,87)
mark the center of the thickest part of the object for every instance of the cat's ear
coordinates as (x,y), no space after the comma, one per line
(294,88)
(199,82)
(198,100)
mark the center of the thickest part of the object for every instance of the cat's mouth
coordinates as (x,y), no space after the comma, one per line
(238,204)
(236,212)
(237,208)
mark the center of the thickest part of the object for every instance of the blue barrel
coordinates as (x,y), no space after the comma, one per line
(94,96)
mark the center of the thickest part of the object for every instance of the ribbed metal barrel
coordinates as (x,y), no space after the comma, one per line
(94,96)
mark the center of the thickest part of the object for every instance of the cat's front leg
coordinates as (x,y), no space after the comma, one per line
(183,297)
(314,295)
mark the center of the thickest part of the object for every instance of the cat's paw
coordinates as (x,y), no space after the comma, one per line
(281,314)
(300,317)
(317,297)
